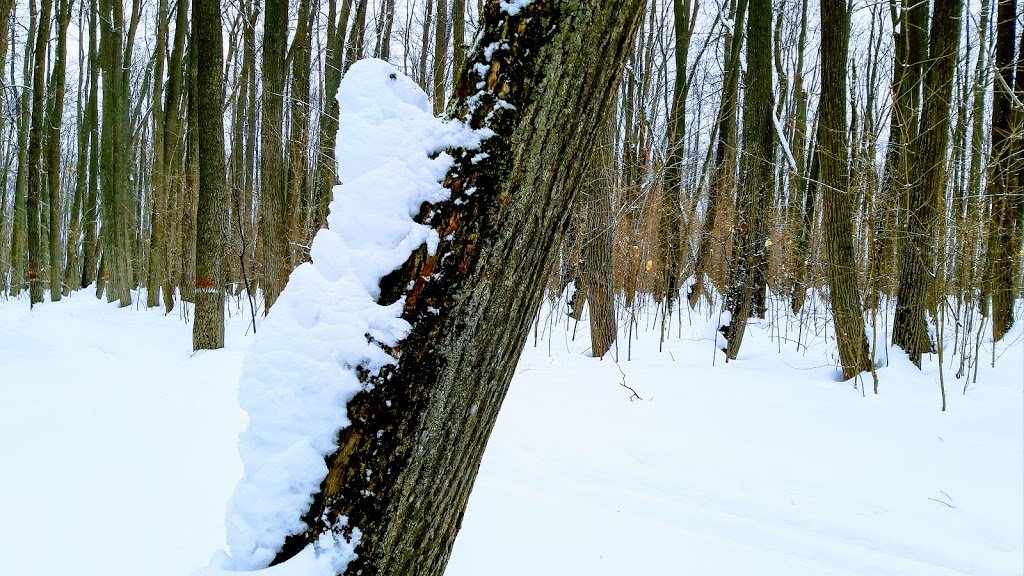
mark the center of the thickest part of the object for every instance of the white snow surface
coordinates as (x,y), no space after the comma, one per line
(300,372)
(120,451)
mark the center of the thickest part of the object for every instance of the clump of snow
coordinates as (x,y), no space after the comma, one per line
(515,6)
(327,557)
(300,372)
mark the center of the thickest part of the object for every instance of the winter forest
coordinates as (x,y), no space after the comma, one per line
(596,286)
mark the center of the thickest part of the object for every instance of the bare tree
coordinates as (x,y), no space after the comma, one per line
(208,328)
(747,284)
(917,262)
(841,265)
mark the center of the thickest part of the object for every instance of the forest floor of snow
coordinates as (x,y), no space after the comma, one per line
(120,451)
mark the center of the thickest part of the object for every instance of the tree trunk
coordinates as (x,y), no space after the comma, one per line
(114,164)
(273,202)
(158,279)
(440,55)
(208,330)
(356,45)
(35,153)
(598,272)
(756,179)
(838,201)
(909,43)
(174,164)
(917,262)
(53,152)
(458,35)
(671,217)
(6,8)
(437,405)
(90,220)
(385,24)
(721,181)
(299,232)
(326,169)
(422,78)
(1003,187)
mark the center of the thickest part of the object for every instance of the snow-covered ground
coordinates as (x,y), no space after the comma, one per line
(120,452)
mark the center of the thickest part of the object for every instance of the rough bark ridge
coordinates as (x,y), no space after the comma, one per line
(910,327)
(844,295)
(208,329)
(598,268)
(406,464)
(273,202)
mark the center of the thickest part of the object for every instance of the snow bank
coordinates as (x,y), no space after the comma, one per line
(300,372)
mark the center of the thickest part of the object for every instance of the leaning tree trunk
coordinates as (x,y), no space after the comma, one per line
(844,294)
(558,66)
(756,180)
(910,327)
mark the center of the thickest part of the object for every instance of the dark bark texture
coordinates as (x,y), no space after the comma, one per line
(917,261)
(841,265)
(756,187)
(208,330)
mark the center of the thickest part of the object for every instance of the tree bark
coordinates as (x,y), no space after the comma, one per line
(598,262)
(35,153)
(6,8)
(671,217)
(1003,187)
(158,278)
(19,229)
(326,169)
(844,294)
(208,329)
(421,76)
(721,182)
(90,219)
(53,151)
(299,231)
(458,35)
(273,202)
(917,263)
(436,407)
(756,179)
(440,55)
(114,164)
(909,46)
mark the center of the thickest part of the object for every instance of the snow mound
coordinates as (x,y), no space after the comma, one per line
(300,373)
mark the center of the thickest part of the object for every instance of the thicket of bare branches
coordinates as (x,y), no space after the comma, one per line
(100,155)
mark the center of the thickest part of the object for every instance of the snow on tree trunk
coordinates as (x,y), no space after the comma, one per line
(377,377)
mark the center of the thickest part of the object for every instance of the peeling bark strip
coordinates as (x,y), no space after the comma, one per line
(541,79)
